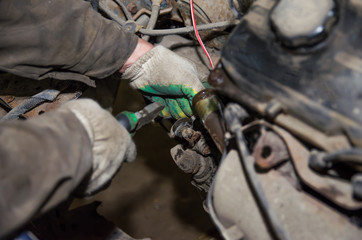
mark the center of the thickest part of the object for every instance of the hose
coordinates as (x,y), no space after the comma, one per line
(164,32)
(353,156)
(124,9)
(322,162)
(156,5)
(186,30)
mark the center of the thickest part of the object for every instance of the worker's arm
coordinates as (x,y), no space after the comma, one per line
(63,39)
(78,147)
(68,40)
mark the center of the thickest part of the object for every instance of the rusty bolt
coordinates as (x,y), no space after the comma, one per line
(132,8)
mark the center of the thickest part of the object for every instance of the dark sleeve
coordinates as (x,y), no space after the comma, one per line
(50,38)
(42,161)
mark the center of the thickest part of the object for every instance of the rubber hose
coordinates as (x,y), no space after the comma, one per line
(352,156)
(154,16)
(186,30)
(124,9)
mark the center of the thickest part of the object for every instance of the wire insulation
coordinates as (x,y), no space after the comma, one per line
(197,34)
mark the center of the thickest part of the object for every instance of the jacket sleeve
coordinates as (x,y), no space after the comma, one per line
(59,39)
(42,161)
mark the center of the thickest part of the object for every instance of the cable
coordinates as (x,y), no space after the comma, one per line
(197,34)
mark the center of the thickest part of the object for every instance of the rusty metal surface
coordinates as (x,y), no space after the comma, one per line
(283,165)
(196,140)
(45,107)
(291,78)
(202,168)
(336,190)
(137,7)
(270,150)
(15,90)
(207,12)
(224,86)
(236,214)
(216,10)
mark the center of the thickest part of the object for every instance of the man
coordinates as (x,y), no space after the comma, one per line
(79,147)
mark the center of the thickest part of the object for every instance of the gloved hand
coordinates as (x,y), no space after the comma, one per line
(165,77)
(112,144)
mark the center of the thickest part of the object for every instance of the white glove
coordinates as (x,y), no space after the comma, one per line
(165,77)
(112,144)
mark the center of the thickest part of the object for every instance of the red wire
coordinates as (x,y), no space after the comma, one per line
(197,34)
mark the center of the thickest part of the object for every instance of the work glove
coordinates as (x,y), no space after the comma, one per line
(111,142)
(165,77)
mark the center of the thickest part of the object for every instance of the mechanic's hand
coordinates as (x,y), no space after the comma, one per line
(112,144)
(165,77)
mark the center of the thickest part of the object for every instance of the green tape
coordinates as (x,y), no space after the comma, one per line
(132,119)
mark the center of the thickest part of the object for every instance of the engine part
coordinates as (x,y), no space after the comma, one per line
(130,10)
(202,168)
(336,190)
(310,89)
(208,12)
(301,24)
(183,129)
(237,216)
(195,156)
(235,211)
(141,19)
(269,150)
(207,107)
(234,115)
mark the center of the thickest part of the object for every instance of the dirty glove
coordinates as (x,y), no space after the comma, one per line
(112,144)
(165,77)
